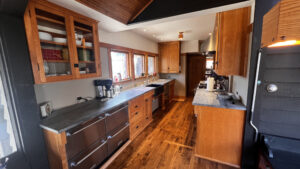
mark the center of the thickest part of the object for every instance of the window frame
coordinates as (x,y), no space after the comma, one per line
(145,63)
(131,53)
(155,63)
(129,69)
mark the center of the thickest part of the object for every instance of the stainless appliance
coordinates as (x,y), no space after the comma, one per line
(103,89)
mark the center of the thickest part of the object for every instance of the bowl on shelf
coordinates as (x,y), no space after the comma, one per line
(78,42)
(60,40)
(88,44)
(45,36)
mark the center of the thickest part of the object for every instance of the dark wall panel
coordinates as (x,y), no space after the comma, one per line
(165,8)
(249,147)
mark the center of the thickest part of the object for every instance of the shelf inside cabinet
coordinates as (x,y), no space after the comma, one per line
(57,61)
(49,20)
(83,29)
(86,61)
(85,47)
(53,43)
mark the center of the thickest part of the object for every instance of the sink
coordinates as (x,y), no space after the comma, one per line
(159,89)
(225,95)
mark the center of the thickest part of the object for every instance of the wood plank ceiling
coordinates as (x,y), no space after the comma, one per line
(124,11)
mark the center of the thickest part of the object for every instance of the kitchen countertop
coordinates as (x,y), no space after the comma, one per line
(69,117)
(162,81)
(210,99)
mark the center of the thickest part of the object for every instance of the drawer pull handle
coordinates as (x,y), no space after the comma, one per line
(137,127)
(136,113)
(136,106)
(74,164)
(78,131)
(111,114)
(111,137)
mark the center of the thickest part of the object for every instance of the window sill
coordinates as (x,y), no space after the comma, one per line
(123,81)
(139,78)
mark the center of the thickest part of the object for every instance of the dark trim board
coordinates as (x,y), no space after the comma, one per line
(165,8)
(249,157)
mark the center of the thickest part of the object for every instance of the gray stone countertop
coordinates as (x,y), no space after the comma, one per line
(210,99)
(66,118)
(162,81)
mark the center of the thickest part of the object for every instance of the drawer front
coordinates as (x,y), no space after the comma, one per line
(117,140)
(90,159)
(83,136)
(136,128)
(137,115)
(136,104)
(116,119)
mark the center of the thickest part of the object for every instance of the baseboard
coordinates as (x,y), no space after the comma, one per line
(179,98)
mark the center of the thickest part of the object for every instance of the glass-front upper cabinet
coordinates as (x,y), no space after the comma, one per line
(86,48)
(63,45)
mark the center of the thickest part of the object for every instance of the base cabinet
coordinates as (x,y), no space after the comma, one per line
(140,113)
(219,134)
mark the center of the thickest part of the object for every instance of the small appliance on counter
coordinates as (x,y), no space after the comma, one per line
(104,89)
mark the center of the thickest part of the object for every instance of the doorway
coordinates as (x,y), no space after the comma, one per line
(196,67)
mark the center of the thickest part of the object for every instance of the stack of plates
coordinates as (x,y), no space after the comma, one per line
(45,36)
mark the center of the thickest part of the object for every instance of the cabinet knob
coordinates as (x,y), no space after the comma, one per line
(137,127)
(136,113)
(136,106)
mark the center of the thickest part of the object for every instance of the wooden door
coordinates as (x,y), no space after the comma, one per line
(196,67)
(164,58)
(174,57)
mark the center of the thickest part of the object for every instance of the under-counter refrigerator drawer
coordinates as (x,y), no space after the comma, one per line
(91,158)
(116,119)
(85,135)
(117,140)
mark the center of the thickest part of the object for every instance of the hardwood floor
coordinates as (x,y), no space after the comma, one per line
(167,143)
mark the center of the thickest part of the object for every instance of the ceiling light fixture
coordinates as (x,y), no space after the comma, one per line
(180,36)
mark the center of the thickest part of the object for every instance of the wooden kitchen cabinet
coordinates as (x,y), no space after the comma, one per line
(171,90)
(169,55)
(232,42)
(281,23)
(63,45)
(140,113)
(219,134)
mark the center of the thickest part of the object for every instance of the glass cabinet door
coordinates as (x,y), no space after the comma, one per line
(54,45)
(86,53)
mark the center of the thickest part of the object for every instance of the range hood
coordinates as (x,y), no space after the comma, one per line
(208,47)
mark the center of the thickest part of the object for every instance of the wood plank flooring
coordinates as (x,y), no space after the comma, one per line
(167,143)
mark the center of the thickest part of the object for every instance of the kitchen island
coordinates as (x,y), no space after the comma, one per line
(220,128)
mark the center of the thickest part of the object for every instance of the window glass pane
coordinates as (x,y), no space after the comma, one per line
(119,63)
(139,65)
(151,65)
(7,139)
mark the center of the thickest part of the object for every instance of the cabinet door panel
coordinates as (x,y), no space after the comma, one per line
(233,41)
(174,57)
(164,58)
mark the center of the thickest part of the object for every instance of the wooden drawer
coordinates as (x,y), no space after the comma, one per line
(137,115)
(84,135)
(90,158)
(116,119)
(136,128)
(136,104)
(118,139)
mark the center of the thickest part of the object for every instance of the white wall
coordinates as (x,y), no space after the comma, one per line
(128,39)
(63,94)
(190,46)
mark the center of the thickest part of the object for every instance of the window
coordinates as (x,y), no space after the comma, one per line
(139,65)
(151,65)
(7,139)
(120,66)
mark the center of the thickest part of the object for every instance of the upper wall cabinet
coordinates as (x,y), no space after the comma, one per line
(63,45)
(232,31)
(281,23)
(169,56)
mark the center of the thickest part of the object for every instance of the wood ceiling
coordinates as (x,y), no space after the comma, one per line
(124,11)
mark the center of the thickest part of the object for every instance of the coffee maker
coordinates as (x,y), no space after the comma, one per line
(103,89)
